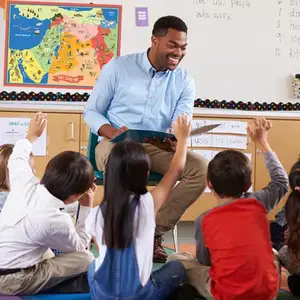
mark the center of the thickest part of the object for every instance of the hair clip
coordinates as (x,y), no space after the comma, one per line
(297,188)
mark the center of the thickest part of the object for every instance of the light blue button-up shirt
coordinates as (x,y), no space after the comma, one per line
(129,92)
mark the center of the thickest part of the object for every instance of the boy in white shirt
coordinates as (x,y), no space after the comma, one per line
(32,221)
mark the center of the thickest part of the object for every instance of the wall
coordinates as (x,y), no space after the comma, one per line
(240,50)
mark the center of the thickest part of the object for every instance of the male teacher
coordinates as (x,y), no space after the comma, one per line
(148,91)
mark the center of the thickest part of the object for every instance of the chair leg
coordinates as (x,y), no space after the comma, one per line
(175,238)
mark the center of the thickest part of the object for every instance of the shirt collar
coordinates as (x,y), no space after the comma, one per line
(50,199)
(147,65)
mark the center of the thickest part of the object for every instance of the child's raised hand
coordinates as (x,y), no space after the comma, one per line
(182,127)
(258,132)
(36,126)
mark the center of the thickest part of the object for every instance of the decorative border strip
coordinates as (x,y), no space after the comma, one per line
(76,97)
(248,106)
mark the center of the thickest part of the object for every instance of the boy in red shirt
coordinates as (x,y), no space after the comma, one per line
(235,260)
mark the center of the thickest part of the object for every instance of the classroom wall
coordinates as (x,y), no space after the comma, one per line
(237,50)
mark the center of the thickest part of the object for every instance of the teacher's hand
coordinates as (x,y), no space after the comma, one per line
(110,132)
(120,131)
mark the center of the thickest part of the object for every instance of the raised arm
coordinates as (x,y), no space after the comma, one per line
(18,163)
(182,129)
(99,101)
(270,195)
(186,101)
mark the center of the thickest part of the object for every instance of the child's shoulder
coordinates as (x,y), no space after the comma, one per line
(232,206)
(146,201)
(146,197)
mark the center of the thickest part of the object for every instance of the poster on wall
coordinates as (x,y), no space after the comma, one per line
(62,45)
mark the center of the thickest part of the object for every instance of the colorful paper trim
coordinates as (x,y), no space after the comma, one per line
(76,97)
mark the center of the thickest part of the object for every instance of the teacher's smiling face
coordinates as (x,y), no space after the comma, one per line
(168,50)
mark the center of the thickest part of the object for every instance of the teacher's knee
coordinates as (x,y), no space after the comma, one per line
(102,152)
(196,167)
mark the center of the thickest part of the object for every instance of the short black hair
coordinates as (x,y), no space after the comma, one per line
(68,173)
(163,24)
(229,173)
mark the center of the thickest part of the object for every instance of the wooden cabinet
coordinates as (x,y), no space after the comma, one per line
(63,132)
(84,136)
(68,131)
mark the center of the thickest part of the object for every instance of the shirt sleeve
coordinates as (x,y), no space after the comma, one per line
(186,101)
(66,237)
(18,163)
(101,96)
(270,195)
(90,224)
(202,253)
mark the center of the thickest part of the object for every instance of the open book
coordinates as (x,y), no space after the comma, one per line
(144,136)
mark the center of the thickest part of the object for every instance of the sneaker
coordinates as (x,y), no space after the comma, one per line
(159,254)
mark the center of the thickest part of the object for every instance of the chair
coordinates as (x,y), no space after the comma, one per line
(154,178)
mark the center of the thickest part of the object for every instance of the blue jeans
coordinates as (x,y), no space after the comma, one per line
(112,282)
(165,281)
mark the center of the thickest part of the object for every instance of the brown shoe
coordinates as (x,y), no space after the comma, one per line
(159,254)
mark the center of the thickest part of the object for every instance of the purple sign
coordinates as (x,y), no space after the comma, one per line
(141,16)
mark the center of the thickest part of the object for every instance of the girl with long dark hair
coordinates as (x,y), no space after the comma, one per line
(290,253)
(124,224)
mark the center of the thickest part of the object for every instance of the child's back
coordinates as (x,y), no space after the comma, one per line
(234,253)
(32,221)
(242,264)
(236,233)
(289,254)
(124,225)
(135,262)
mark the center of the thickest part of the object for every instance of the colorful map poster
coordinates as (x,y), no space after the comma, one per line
(59,44)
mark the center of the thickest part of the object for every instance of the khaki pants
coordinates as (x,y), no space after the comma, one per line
(191,186)
(46,274)
(198,275)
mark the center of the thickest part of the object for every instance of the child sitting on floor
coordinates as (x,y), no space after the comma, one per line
(290,253)
(32,221)
(124,224)
(5,152)
(233,247)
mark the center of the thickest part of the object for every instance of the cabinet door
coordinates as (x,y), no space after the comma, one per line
(62,134)
(284,140)
(84,136)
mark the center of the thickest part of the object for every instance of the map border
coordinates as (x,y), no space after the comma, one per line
(42,86)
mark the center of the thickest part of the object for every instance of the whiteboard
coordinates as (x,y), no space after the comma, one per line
(240,50)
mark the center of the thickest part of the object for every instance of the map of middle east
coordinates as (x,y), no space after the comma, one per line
(59,44)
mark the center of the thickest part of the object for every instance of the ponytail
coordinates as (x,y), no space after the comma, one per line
(292,212)
(126,175)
